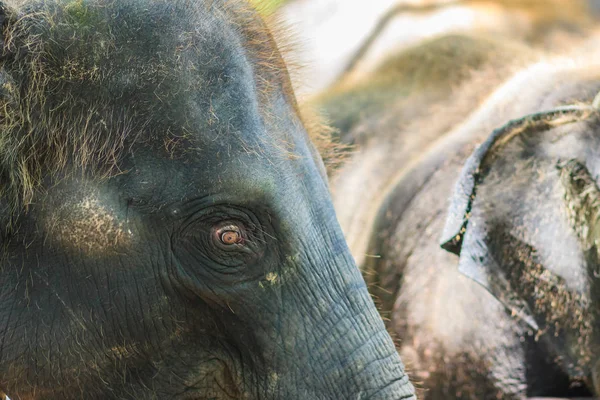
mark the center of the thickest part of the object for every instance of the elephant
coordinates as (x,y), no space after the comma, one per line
(514,316)
(387,119)
(168,231)
(504,321)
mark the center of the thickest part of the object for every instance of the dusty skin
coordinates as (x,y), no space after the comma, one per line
(458,339)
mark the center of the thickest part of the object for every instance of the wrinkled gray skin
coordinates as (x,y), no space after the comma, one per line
(119,288)
(521,243)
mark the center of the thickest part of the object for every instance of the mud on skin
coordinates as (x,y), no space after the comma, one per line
(168,231)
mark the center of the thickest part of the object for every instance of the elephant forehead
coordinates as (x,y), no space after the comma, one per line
(88,224)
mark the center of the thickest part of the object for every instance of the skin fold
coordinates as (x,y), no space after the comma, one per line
(168,230)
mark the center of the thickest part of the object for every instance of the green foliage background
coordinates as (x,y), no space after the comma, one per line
(267,6)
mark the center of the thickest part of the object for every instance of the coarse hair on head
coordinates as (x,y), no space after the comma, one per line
(70,81)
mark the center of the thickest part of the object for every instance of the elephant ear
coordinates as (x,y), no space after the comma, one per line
(510,219)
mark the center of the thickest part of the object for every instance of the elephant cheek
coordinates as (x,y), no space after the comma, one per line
(88,226)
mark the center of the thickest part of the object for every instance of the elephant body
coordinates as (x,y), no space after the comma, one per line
(471,333)
(391,117)
(459,340)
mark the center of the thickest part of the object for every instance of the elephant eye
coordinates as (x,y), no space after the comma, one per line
(229,234)
(225,240)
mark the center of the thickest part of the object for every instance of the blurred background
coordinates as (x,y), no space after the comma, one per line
(334,36)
